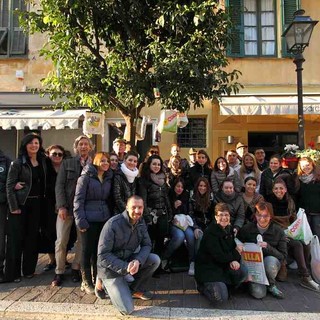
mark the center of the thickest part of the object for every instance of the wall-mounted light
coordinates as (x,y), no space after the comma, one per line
(20,74)
(318,140)
(230,139)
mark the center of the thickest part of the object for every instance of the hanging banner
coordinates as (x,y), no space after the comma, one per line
(168,121)
(93,123)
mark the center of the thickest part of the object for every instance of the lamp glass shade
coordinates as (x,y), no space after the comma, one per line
(298,35)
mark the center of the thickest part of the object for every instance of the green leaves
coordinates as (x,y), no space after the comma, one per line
(111,54)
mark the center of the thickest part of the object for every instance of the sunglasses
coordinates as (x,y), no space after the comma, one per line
(57,154)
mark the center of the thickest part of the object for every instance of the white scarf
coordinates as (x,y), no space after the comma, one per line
(130,175)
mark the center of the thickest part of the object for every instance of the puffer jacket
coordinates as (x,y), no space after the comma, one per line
(91,198)
(217,178)
(4,169)
(155,197)
(67,178)
(118,244)
(20,171)
(199,171)
(122,190)
(236,206)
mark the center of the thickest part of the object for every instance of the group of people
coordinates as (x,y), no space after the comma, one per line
(126,218)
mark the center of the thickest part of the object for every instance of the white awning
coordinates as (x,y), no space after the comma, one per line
(267,105)
(40,118)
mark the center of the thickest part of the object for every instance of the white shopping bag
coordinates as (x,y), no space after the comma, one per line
(300,228)
(315,259)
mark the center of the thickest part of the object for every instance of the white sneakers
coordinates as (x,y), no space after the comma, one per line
(191,269)
(308,283)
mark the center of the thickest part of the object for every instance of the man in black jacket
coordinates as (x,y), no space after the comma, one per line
(4,168)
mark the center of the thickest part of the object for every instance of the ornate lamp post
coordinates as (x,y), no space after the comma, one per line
(297,36)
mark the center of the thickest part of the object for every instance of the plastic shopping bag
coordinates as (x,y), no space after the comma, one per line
(300,229)
(168,121)
(315,259)
(252,257)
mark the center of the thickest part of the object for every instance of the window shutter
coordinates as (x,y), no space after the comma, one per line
(18,38)
(235,9)
(288,9)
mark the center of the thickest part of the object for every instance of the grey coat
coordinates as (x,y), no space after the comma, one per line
(67,178)
(118,243)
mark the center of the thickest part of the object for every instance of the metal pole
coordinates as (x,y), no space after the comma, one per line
(299,60)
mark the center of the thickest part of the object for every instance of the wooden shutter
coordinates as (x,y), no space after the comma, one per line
(288,9)
(236,46)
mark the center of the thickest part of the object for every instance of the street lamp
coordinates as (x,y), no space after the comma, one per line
(298,35)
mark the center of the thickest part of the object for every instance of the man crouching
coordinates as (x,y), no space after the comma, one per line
(124,249)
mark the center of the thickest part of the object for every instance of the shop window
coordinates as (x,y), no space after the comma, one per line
(194,134)
(13,41)
(254,32)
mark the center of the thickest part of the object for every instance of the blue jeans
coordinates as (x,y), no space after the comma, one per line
(177,238)
(118,288)
(272,266)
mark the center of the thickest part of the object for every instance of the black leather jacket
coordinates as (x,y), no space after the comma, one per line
(20,171)
(122,190)
(4,168)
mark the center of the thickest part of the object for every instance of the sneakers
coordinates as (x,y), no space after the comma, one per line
(276,292)
(87,287)
(308,283)
(143,295)
(129,278)
(293,265)
(164,264)
(191,269)
(57,280)
(100,293)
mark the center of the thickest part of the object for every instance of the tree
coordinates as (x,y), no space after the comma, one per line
(112,54)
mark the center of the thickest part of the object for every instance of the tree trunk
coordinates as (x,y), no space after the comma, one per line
(131,130)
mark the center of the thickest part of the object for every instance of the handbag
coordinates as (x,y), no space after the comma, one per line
(315,259)
(300,228)
(182,221)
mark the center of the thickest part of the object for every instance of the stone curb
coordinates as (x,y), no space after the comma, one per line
(47,310)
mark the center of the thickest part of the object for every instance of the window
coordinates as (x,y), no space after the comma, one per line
(255,26)
(194,134)
(12,39)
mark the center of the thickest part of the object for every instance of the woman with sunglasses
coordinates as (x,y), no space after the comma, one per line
(55,154)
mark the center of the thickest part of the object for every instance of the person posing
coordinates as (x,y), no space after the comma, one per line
(4,168)
(202,168)
(218,260)
(274,248)
(260,156)
(125,181)
(91,211)
(175,151)
(269,175)
(176,170)
(284,214)
(124,248)
(67,178)
(154,192)
(179,199)
(221,171)
(249,168)
(250,198)
(234,200)
(26,186)
(114,161)
(309,193)
(232,158)
(119,147)
(55,154)
(201,204)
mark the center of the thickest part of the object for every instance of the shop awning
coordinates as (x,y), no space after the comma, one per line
(27,109)
(46,119)
(249,105)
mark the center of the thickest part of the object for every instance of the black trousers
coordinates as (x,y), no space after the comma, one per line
(90,240)
(3,225)
(22,239)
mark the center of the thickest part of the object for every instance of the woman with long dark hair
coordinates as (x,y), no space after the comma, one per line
(154,191)
(201,169)
(26,187)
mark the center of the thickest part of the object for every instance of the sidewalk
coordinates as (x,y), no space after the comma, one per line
(175,297)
